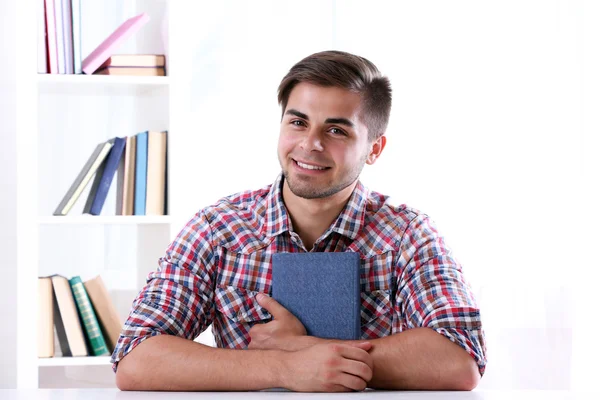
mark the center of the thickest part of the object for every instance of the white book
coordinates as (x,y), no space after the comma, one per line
(68,36)
(60,36)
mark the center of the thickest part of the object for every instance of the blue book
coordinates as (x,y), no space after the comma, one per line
(104,178)
(322,290)
(141,170)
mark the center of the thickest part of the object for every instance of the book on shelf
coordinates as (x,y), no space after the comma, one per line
(99,55)
(66,319)
(134,60)
(126,179)
(105,310)
(95,340)
(45,318)
(141,167)
(156,173)
(67,25)
(131,71)
(52,50)
(59,38)
(75,318)
(104,177)
(76,19)
(85,175)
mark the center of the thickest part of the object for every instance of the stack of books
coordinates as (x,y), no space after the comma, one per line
(84,318)
(133,64)
(59,43)
(140,163)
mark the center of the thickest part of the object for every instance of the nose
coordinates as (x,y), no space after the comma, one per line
(312,141)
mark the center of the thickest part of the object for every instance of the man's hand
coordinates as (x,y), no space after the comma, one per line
(276,334)
(329,367)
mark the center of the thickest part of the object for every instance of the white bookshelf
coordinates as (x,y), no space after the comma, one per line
(73,361)
(60,118)
(106,220)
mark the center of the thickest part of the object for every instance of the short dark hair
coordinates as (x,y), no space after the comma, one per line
(350,72)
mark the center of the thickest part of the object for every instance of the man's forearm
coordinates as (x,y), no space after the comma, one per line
(422,359)
(418,359)
(167,362)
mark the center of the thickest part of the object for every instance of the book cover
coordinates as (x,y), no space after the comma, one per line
(67,35)
(66,319)
(134,60)
(322,290)
(141,165)
(88,317)
(45,318)
(76,21)
(84,177)
(98,194)
(111,43)
(42,49)
(105,310)
(131,71)
(157,163)
(126,179)
(51,37)
(60,36)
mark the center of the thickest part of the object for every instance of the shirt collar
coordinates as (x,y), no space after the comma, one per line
(349,223)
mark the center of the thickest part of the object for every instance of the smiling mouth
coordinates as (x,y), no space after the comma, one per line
(310,166)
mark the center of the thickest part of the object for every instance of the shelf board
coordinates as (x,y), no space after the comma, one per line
(73,361)
(105,220)
(95,84)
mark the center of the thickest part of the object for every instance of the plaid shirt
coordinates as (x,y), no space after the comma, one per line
(221,259)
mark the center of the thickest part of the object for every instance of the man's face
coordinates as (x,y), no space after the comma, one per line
(323,145)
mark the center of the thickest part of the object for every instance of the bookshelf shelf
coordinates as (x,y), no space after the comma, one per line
(90,84)
(73,361)
(56,79)
(106,220)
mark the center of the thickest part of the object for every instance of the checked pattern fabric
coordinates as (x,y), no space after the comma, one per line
(221,259)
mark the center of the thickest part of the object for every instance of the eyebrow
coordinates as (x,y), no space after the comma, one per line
(339,121)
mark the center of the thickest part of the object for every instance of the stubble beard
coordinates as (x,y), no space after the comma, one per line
(306,190)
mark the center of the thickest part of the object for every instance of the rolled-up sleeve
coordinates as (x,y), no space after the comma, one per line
(178,298)
(434,292)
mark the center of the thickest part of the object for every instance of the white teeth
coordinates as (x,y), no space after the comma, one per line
(306,166)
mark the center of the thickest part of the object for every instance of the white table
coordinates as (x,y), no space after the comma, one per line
(110,394)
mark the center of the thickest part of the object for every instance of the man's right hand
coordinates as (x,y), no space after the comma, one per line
(329,367)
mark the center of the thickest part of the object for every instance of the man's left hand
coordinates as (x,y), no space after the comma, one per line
(278,334)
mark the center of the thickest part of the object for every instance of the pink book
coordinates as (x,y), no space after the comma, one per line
(51,29)
(106,48)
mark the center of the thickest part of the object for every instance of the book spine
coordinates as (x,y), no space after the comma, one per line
(141,167)
(51,37)
(112,163)
(76,19)
(42,50)
(88,317)
(68,36)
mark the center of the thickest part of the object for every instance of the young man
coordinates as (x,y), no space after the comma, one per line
(420,328)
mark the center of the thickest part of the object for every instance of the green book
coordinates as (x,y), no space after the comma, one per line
(88,318)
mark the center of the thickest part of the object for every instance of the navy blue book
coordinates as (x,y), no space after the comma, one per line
(322,290)
(104,177)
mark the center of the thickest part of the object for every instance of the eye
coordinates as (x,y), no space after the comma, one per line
(297,122)
(337,131)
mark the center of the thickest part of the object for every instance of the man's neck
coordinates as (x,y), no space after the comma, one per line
(312,217)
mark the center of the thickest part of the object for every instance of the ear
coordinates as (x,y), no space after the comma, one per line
(376,148)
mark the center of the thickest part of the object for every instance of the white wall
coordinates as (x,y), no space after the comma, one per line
(8,206)
(493,133)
